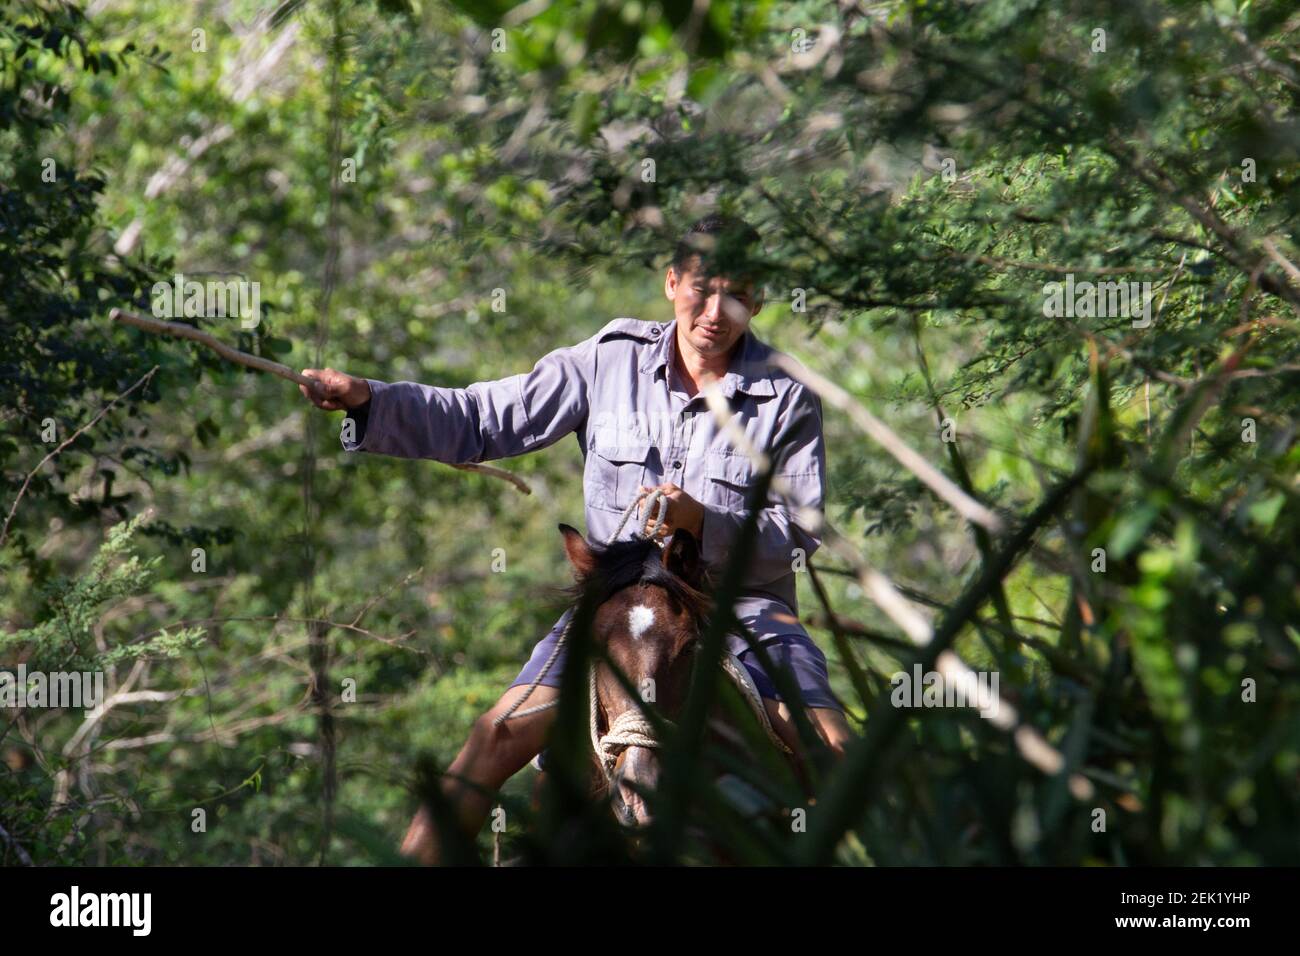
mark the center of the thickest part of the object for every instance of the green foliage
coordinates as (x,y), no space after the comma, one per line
(59,275)
(920,172)
(65,637)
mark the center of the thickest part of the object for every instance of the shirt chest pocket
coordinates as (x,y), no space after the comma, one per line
(727,479)
(614,472)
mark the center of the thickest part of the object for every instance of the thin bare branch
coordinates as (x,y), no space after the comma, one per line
(935,480)
(4,531)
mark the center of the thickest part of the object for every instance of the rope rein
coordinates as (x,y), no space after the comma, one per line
(632,728)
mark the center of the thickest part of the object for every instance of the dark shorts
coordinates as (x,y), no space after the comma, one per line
(795,652)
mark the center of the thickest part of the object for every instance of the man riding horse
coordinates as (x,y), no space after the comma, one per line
(633,394)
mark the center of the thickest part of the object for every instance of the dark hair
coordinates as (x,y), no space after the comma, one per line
(724,244)
(638,560)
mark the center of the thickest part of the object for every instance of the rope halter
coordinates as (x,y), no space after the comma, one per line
(629,729)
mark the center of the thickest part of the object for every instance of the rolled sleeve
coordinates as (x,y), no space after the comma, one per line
(480,422)
(799,458)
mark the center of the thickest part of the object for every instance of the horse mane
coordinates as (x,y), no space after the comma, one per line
(639,561)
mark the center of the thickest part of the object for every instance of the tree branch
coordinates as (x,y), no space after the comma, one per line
(181,330)
(4,531)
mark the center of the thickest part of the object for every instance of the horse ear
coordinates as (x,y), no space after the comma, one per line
(578,550)
(682,556)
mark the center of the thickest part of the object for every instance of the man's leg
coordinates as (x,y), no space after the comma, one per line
(490,757)
(829,723)
(803,660)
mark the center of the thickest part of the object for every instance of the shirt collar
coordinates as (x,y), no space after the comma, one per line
(748,371)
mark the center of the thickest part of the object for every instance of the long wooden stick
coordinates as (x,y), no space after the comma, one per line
(183,331)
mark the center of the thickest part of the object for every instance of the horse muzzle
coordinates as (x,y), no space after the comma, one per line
(636,776)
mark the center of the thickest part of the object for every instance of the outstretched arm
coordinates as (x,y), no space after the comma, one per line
(480,422)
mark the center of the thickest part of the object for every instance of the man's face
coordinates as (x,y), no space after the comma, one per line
(713,312)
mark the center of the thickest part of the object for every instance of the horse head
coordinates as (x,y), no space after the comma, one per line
(651,606)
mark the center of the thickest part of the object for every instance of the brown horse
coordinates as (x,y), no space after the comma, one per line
(652,605)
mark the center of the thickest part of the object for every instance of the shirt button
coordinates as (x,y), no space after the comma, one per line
(677,465)
(655,330)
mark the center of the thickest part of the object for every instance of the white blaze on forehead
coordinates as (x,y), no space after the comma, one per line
(639,619)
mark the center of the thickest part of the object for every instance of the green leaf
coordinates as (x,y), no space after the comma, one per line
(1265,511)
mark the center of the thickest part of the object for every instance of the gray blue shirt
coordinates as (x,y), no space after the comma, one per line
(635,426)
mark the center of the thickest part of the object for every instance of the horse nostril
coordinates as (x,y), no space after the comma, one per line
(631,808)
(639,775)
(622,812)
